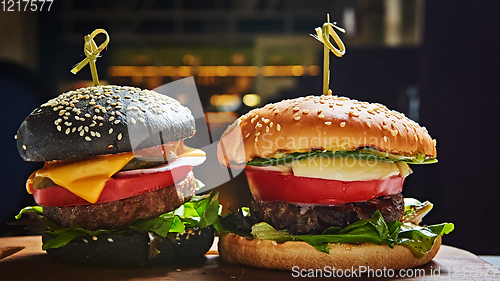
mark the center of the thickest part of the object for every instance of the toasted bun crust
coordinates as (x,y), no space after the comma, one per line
(284,256)
(102,120)
(322,122)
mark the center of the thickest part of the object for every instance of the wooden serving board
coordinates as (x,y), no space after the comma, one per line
(33,264)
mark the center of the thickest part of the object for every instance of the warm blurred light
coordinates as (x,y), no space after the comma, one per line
(222,70)
(188,59)
(297,70)
(251,100)
(234,71)
(314,70)
(225,100)
(184,71)
(238,59)
(183,99)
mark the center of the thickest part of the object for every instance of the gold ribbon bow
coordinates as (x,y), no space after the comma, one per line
(92,53)
(323,35)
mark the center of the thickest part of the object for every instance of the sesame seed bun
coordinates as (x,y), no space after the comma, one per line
(322,122)
(99,120)
(268,254)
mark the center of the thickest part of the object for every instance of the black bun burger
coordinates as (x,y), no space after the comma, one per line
(117,187)
(326,174)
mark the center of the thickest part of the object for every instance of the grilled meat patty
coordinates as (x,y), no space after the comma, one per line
(122,213)
(314,219)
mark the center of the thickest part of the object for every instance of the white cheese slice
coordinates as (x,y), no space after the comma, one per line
(348,169)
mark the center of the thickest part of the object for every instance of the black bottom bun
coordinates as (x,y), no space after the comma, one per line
(132,249)
(268,254)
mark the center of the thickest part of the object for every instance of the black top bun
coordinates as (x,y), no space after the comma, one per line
(102,120)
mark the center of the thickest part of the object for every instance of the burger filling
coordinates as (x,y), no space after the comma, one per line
(87,178)
(323,197)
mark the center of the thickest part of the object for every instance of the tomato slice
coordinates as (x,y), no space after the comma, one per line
(116,188)
(277,186)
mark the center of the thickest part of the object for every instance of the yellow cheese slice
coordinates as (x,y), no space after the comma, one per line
(348,169)
(86,178)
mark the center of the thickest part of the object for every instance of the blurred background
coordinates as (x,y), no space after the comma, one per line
(436,61)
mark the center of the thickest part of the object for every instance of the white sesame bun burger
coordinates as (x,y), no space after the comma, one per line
(116,175)
(326,174)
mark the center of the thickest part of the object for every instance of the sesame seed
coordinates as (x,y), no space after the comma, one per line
(142,120)
(274,243)
(110,131)
(342,124)
(117,121)
(278,127)
(98,134)
(394,132)
(68,130)
(94,238)
(86,129)
(82,133)
(267,129)
(256,139)
(305,111)
(85,240)
(15,137)
(385,139)
(247,135)
(328,123)
(321,116)
(24,147)
(320,110)
(368,124)
(59,128)
(296,118)
(271,125)
(110,240)
(87,138)
(119,137)
(110,146)
(111,118)
(296,108)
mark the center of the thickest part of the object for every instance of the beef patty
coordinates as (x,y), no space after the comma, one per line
(314,219)
(121,213)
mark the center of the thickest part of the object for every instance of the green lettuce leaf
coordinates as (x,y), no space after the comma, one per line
(199,212)
(365,154)
(373,230)
(30,209)
(420,239)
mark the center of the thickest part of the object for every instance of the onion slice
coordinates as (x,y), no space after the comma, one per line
(182,161)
